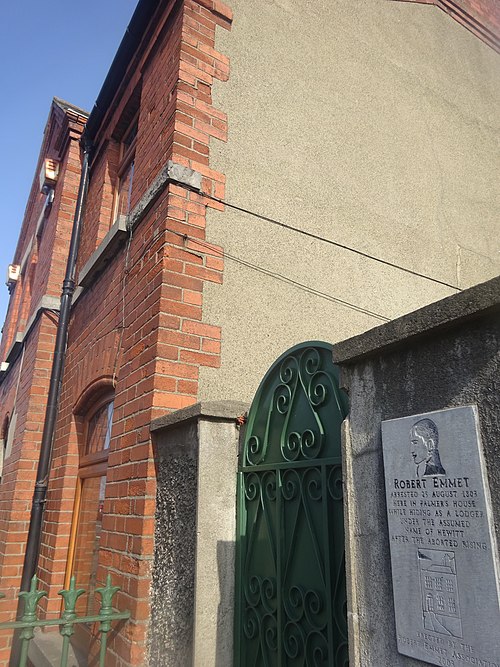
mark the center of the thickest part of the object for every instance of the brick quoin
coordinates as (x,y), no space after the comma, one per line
(481,17)
(137,328)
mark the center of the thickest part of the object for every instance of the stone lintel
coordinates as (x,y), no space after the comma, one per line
(97,262)
(46,303)
(171,173)
(475,302)
(15,348)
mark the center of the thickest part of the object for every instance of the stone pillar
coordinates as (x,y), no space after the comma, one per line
(192,596)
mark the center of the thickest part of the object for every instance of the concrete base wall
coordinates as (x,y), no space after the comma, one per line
(442,356)
(192,597)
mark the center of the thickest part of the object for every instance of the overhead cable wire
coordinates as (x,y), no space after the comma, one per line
(317,237)
(279,276)
(306,288)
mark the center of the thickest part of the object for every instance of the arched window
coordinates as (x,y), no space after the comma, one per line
(87,519)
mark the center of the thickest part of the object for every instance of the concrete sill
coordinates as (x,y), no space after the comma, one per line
(104,253)
(216,410)
(171,173)
(15,348)
(46,303)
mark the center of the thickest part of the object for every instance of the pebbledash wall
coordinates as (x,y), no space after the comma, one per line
(370,126)
(481,17)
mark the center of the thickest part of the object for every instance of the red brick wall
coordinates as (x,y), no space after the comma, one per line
(20,299)
(20,467)
(140,325)
(99,206)
(482,17)
(139,328)
(11,319)
(46,262)
(26,384)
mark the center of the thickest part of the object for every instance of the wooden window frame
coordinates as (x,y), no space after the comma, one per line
(127,158)
(90,465)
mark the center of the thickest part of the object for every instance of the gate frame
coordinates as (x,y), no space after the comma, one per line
(241,515)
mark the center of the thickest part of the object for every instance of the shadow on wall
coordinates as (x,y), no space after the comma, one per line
(172,585)
(173,589)
(226,554)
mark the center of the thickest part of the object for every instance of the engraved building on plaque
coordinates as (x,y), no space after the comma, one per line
(445,568)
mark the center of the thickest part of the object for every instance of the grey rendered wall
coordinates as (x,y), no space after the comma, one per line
(369,122)
(192,589)
(429,360)
(173,577)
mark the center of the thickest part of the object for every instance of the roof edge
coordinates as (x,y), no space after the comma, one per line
(131,39)
(67,106)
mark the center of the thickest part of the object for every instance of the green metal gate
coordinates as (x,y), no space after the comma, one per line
(290,583)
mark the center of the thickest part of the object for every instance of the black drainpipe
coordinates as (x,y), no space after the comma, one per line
(45,458)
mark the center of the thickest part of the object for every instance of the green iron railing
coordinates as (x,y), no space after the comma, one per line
(68,619)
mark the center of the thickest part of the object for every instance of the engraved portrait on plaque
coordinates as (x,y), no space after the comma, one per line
(444,557)
(424,439)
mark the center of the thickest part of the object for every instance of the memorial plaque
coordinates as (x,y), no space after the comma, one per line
(443,549)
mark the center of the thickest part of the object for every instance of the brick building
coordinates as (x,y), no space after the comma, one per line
(260,176)
(30,329)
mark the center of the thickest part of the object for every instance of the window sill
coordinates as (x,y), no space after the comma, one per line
(104,253)
(46,303)
(100,258)
(15,348)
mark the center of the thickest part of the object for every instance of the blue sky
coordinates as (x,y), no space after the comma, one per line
(61,48)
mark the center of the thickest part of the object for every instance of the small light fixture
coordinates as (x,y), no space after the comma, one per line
(48,175)
(13,273)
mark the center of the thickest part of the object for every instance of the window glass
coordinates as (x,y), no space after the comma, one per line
(130,136)
(124,194)
(88,538)
(99,429)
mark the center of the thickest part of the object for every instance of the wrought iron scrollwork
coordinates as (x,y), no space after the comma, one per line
(317,650)
(292,573)
(335,483)
(253,449)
